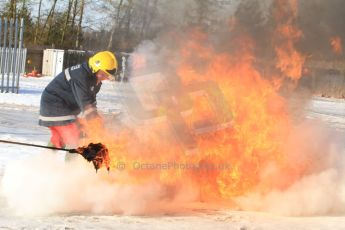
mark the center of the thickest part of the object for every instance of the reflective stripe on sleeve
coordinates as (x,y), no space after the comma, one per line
(60,118)
(68,76)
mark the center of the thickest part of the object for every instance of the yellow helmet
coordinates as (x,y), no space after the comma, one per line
(104,61)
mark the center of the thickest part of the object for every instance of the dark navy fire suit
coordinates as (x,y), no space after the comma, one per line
(69,94)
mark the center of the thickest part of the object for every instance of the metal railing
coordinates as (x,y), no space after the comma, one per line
(12,54)
(74,57)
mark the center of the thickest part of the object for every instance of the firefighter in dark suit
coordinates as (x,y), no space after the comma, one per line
(73,93)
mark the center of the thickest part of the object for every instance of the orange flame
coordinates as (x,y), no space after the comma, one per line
(336,45)
(230,157)
(289,60)
(223,129)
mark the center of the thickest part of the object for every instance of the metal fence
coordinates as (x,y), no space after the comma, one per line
(12,54)
(74,57)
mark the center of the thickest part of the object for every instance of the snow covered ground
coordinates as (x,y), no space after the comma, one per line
(18,122)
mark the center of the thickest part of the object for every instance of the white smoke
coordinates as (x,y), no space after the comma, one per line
(44,185)
(319,190)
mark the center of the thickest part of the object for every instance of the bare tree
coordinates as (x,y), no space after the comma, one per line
(77,43)
(38,21)
(74,13)
(128,18)
(13,8)
(49,20)
(115,26)
(144,18)
(23,5)
(70,2)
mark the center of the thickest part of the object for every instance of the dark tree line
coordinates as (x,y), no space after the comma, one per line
(49,26)
(123,24)
(106,24)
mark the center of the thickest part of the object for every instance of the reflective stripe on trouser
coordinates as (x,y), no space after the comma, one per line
(65,135)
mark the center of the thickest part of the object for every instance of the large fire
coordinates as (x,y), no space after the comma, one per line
(221,128)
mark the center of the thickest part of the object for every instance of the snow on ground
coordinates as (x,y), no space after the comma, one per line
(329,110)
(18,122)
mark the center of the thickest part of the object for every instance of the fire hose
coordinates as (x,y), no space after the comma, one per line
(97,153)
